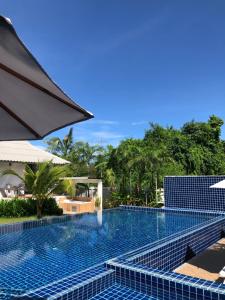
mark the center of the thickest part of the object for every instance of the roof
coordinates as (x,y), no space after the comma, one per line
(23,151)
(83,179)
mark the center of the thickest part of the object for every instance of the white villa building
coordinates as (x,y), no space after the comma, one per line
(15,155)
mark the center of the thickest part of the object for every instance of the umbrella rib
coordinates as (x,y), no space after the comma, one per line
(36,85)
(12,114)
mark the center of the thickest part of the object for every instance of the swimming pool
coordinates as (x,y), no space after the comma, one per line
(36,257)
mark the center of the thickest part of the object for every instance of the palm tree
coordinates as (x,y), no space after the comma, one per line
(86,155)
(111,178)
(61,147)
(41,182)
(102,160)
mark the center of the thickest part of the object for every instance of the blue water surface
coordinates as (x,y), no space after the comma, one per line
(39,256)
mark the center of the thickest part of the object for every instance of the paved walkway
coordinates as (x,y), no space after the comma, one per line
(206,265)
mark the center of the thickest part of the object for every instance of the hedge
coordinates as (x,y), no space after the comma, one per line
(27,207)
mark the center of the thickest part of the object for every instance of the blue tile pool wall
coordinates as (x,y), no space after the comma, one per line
(201,212)
(73,292)
(164,285)
(61,250)
(77,284)
(194,192)
(173,253)
(90,289)
(121,292)
(159,284)
(142,272)
(81,286)
(151,284)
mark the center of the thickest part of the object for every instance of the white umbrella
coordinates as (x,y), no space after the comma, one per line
(219,185)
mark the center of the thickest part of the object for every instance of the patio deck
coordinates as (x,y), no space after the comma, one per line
(206,265)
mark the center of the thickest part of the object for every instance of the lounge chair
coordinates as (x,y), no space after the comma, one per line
(222,273)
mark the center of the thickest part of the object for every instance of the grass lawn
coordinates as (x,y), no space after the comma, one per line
(4,220)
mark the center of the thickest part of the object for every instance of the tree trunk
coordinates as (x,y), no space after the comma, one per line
(39,209)
(156,188)
(130,190)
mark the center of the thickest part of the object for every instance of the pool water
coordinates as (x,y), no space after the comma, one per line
(38,256)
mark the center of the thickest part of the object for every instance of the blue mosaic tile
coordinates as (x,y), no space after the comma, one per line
(194,192)
(121,292)
(77,283)
(63,259)
(160,259)
(39,256)
(178,210)
(166,285)
(173,253)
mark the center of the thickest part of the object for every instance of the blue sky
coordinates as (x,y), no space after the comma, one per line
(129,62)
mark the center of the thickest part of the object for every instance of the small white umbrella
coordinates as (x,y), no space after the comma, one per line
(219,185)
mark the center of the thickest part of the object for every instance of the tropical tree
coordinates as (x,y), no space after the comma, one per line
(41,182)
(102,161)
(84,156)
(136,167)
(61,147)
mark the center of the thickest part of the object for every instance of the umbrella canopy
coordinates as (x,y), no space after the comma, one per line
(219,185)
(31,104)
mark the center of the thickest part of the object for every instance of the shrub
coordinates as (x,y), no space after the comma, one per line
(27,207)
(50,207)
(155,204)
(117,199)
(97,202)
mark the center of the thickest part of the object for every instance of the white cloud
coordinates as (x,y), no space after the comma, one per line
(139,123)
(107,135)
(104,122)
(98,136)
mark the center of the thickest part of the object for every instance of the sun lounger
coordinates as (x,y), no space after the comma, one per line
(222,273)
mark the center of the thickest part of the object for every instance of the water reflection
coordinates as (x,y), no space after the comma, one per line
(99,217)
(41,255)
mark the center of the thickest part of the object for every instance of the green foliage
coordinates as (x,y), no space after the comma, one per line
(61,147)
(41,182)
(69,187)
(97,202)
(27,207)
(50,207)
(83,159)
(135,169)
(155,204)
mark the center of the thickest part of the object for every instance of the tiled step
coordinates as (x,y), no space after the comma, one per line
(83,285)
(120,292)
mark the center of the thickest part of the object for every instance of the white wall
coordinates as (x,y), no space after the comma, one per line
(11,179)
